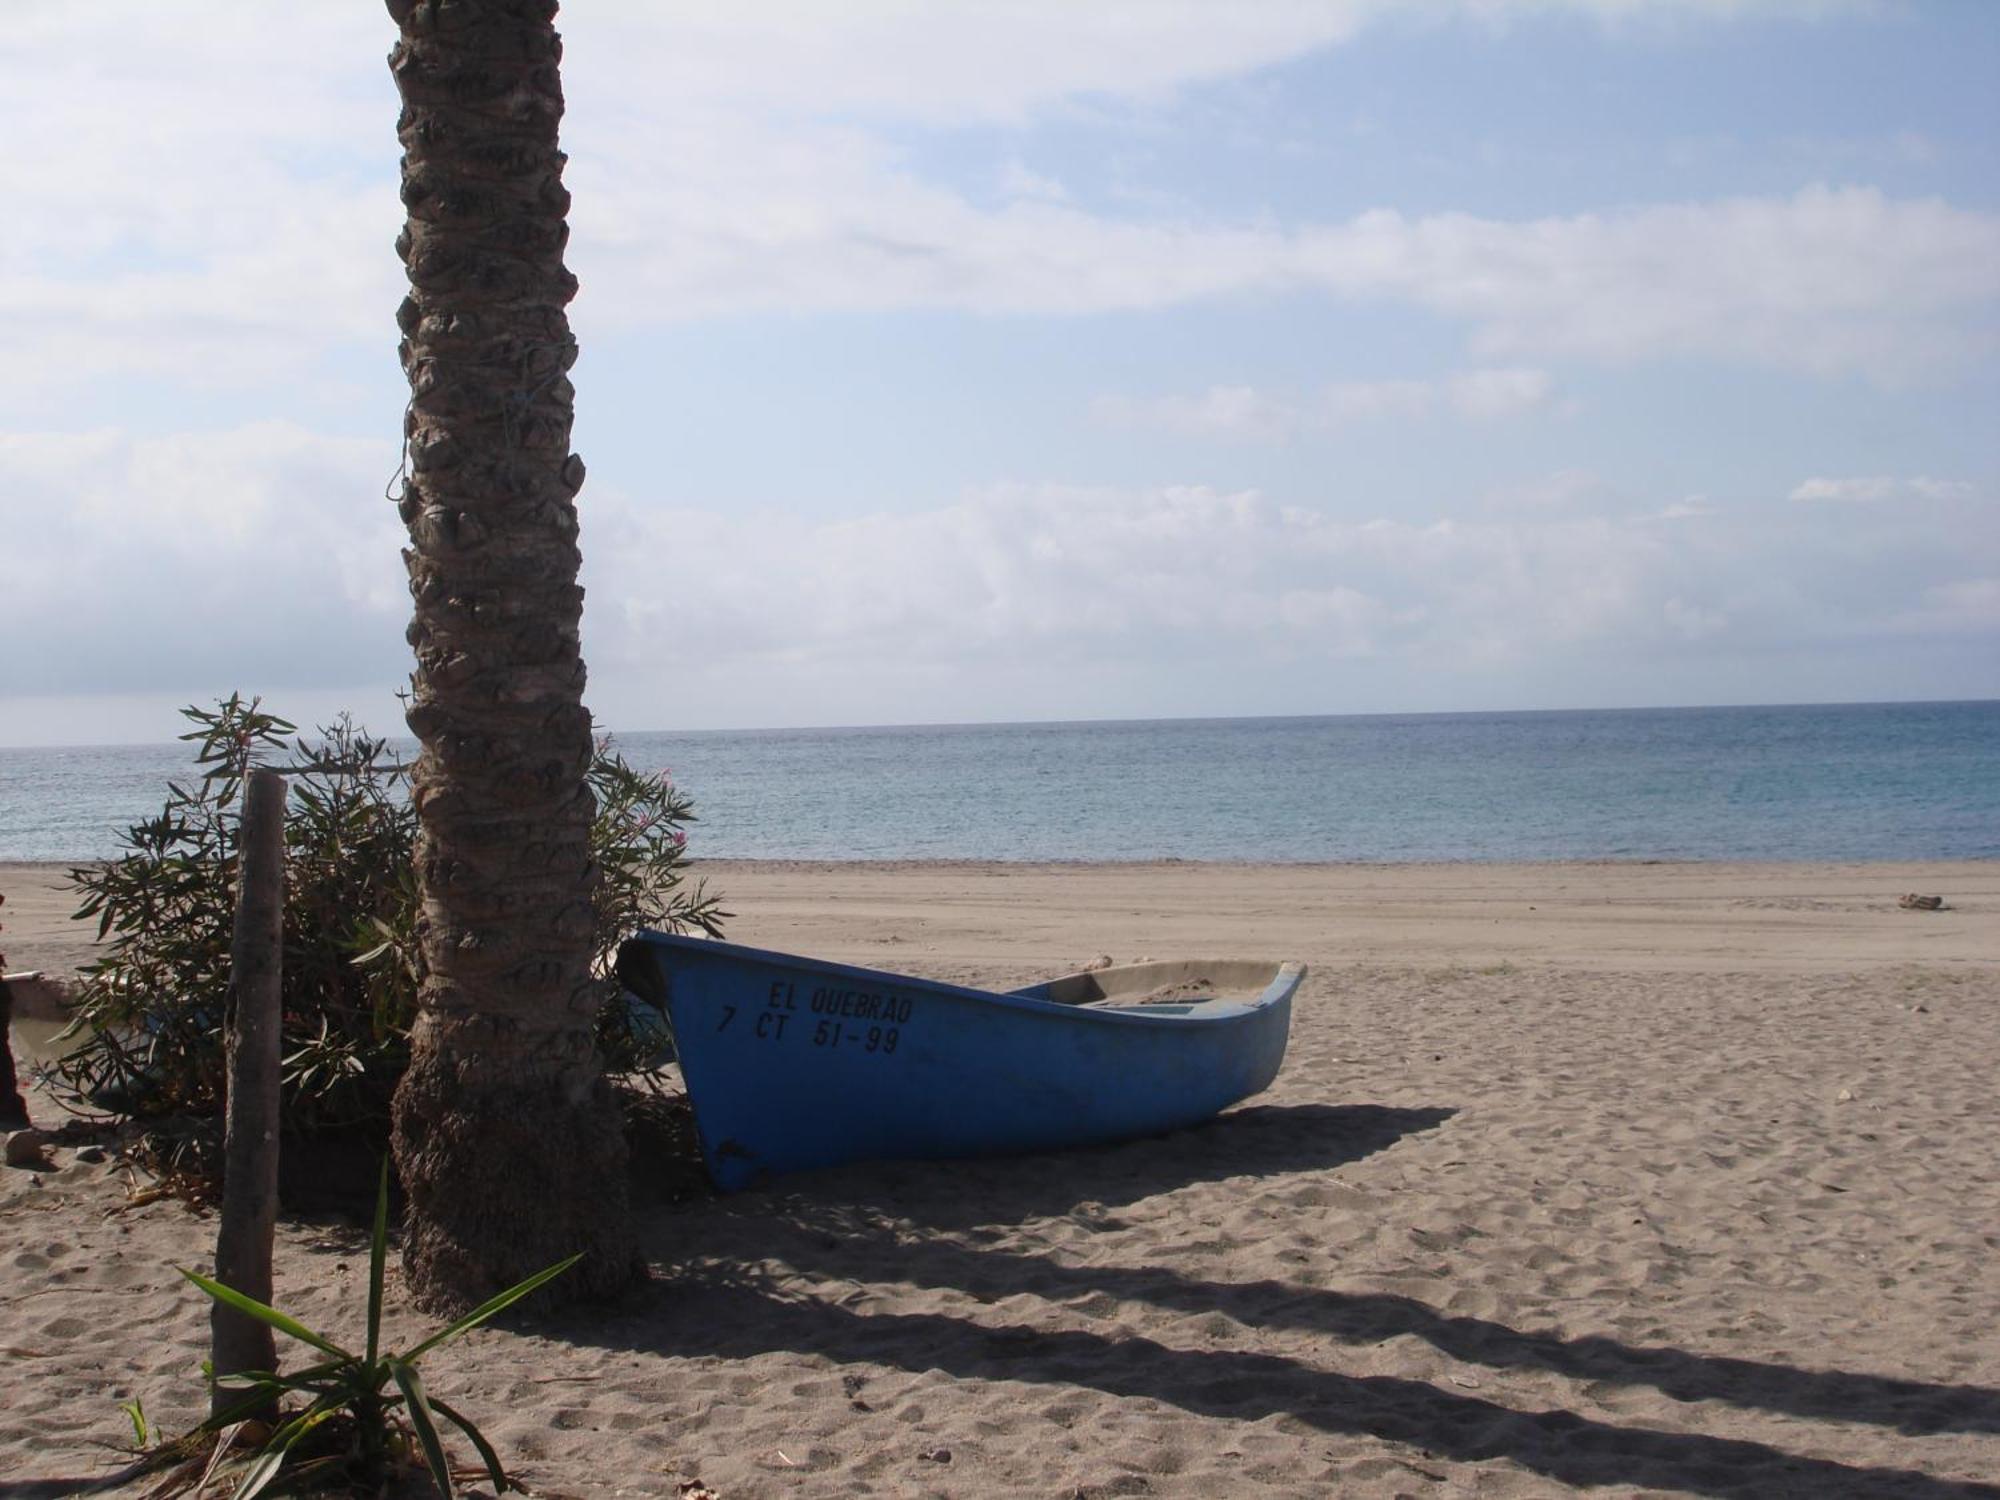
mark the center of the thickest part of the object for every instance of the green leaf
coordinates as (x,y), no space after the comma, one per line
(378,1258)
(261,1472)
(314,1380)
(272,1457)
(261,1380)
(230,1297)
(501,1483)
(494,1305)
(412,1386)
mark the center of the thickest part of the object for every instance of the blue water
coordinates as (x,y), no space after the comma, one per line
(1871,781)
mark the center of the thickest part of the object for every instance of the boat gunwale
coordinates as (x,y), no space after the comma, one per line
(1287,975)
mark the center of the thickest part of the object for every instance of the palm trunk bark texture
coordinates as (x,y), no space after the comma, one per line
(506,1138)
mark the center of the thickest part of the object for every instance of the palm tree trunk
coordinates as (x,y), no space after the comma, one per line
(506,1138)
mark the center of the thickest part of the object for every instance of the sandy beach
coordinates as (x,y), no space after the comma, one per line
(1636,1179)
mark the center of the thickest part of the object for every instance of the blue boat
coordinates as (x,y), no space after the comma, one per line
(792,1063)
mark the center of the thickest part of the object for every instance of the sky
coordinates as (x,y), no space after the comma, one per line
(1032,360)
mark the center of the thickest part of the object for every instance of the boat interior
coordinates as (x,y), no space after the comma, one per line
(1174,987)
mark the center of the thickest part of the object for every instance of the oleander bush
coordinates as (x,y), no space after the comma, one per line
(149,1013)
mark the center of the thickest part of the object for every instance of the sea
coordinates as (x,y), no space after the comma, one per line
(1797,782)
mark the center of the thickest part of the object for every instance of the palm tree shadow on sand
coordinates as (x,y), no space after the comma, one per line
(862,1224)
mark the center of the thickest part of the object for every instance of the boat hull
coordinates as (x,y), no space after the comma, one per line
(792,1063)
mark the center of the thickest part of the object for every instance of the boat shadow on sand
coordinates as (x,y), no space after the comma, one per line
(891,1222)
(1251,1141)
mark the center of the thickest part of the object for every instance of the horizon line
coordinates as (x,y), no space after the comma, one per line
(402,732)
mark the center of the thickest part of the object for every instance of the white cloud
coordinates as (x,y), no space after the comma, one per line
(216,204)
(1691,621)
(1562,490)
(1017,180)
(1693,508)
(928,62)
(1074,576)
(1228,411)
(1243,412)
(265,557)
(1625,12)
(1963,606)
(213,204)
(1365,401)
(949,63)
(1875,488)
(1825,281)
(1490,395)
(260,557)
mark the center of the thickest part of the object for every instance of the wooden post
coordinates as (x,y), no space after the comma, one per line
(250,1143)
(13,1108)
